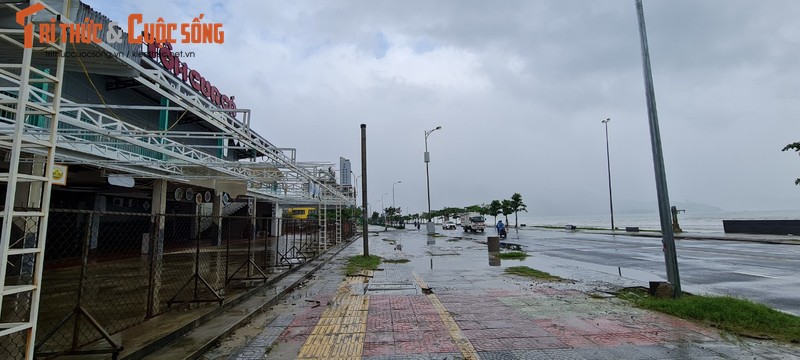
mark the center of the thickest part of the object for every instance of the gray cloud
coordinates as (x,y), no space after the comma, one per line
(520,88)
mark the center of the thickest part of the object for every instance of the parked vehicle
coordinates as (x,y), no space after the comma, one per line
(473,222)
(301,213)
(449,225)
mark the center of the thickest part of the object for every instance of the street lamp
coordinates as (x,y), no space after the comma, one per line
(393,184)
(383,210)
(668,238)
(608,163)
(429,225)
(355,194)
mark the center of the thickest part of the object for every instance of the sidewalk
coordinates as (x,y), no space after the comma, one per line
(452,300)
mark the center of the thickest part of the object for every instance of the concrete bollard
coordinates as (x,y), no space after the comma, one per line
(494,243)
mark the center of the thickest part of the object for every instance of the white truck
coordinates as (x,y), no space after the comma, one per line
(473,222)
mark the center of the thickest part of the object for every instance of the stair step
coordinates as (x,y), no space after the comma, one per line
(23,213)
(16,289)
(25,251)
(45,76)
(4,177)
(10,328)
(27,142)
(39,107)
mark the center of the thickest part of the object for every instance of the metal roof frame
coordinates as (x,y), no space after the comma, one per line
(91,137)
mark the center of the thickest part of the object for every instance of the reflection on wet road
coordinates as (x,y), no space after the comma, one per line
(765,273)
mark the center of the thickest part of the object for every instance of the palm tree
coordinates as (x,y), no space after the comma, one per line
(517,205)
(495,208)
(507,208)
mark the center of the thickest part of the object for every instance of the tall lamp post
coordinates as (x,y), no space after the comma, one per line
(608,163)
(429,225)
(355,194)
(393,184)
(383,210)
(668,238)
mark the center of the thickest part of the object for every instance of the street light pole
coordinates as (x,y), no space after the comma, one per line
(429,225)
(608,163)
(395,183)
(355,195)
(383,210)
(364,203)
(668,237)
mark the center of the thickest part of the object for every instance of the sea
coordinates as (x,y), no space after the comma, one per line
(701,222)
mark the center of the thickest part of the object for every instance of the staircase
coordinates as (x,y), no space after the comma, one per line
(207,221)
(28,123)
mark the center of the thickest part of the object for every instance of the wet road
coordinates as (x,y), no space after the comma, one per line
(765,273)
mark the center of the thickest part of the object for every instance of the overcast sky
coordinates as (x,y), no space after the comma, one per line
(520,89)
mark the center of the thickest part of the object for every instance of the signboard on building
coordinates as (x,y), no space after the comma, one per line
(59,174)
(344,172)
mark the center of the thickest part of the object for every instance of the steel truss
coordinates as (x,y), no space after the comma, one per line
(39,128)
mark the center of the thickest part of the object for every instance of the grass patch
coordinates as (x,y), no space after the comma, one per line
(513,255)
(738,316)
(396,261)
(531,273)
(359,262)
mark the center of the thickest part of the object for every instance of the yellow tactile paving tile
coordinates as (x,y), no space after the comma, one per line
(340,331)
(350,320)
(463,344)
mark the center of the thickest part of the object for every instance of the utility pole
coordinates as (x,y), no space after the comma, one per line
(364,231)
(668,238)
(608,163)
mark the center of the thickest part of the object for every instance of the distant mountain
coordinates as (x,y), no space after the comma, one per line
(652,207)
(697,207)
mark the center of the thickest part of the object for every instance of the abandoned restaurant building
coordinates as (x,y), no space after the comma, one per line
(133,187)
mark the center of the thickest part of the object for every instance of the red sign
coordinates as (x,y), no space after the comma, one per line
(171,61)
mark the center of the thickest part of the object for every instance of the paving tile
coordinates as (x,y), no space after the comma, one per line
(505,333)
(410,347)
(609,340)
(409,336)
(532,343)
(377,349)
(379,337)
(295,333)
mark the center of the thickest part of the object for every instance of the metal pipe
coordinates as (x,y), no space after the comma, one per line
(428,178)
(364,230)
(668,240)
(608,163)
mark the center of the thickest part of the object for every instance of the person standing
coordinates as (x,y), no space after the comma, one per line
(501,228)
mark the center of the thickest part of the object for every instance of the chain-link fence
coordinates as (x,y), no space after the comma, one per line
(19,272)
(105,272)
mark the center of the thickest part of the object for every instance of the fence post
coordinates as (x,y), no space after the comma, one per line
(156,245)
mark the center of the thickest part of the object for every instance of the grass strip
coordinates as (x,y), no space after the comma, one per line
(738,316)
(531,273)
(360,262)
(519,255)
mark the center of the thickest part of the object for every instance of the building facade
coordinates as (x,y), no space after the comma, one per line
(129,179)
